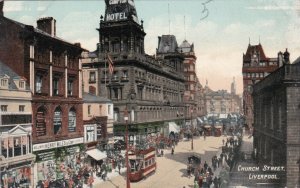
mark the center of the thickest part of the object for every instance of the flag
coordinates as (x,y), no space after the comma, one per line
(110,64)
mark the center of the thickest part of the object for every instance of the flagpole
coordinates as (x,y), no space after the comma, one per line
(105,74)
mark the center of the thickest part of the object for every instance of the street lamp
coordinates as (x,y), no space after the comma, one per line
(126,140)
(192,144)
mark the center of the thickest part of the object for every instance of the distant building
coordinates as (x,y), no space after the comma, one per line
(276,122)
(222,102)
(16,158)
(194,93)
(256,66)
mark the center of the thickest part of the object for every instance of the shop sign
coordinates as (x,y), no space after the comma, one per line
(57,144)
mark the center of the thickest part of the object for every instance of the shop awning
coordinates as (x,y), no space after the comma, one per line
(200,120)
(173,127)
(96,154)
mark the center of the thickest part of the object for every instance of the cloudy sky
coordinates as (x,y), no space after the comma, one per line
(219,29)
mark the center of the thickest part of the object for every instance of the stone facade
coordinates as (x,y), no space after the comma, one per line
(149,88)
(276,122)
(222,102)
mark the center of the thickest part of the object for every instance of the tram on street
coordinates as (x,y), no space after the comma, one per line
(142,163)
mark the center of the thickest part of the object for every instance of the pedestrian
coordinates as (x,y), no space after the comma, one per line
(119,167)
(205,166)
(172,151)
(189,170)
(162,152)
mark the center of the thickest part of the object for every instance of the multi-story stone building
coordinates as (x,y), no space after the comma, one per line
(52,69)
(276,123)
(193,94)
(256,66)
(149,88)
(16,158)
(222,102)
(96,109)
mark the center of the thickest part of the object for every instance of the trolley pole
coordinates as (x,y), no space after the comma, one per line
(192,130)
(127,160)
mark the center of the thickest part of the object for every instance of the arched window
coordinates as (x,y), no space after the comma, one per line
(72,120)
(57,120)
(40,121)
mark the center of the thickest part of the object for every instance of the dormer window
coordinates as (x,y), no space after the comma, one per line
(4,82)
(21,84)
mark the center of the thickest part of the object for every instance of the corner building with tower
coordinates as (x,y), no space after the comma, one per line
(149,88)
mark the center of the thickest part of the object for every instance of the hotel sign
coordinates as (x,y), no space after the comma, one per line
(57,144)
(119,10)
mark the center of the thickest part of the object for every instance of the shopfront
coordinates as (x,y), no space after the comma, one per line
(58,164)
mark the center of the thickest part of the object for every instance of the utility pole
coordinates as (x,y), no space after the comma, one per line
(192,130)
(126,138)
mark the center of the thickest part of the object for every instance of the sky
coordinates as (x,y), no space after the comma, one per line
(220,29)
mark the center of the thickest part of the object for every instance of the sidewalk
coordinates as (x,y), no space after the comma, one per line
(239,178)
(98,180)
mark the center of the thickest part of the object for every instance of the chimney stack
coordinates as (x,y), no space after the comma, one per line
(48,25)
(286,56)
(1,7)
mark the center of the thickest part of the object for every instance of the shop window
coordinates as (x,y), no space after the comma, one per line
(24,143)
(72,120)
(4,147)
(17,146)
(57,120)
(90,133)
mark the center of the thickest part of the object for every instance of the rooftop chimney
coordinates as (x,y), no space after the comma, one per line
(47,25)
(1,7)
(286,56)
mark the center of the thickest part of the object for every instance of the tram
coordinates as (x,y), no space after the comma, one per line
(142,163)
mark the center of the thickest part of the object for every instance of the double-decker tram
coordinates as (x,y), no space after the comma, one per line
(142,163)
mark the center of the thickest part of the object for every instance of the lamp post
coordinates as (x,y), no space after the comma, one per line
(192,144)
(126,141)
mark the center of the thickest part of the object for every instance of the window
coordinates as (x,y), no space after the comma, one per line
(38,83)
(92,78)
(17,146)
(55,83)
(72,121)
(4,147)
(125,74)
(57,120)
(90,135)
(108,109)
(21,108)
(89,109)
(4,82)
(3,108)
(41,122)
(115,75)
(22,84)
(70,87)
